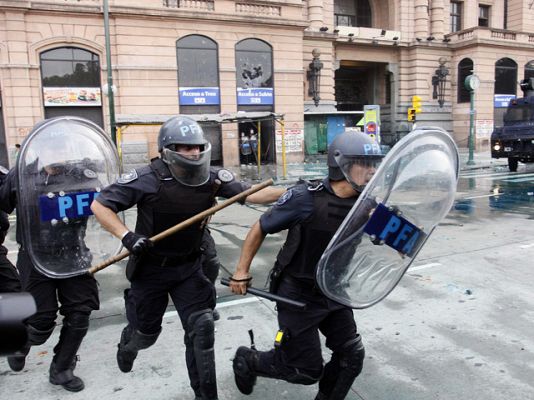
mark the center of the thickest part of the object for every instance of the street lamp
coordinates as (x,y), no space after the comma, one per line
(471,83)
(438,81)
(314,76)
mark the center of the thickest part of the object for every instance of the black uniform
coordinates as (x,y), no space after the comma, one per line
(9,277)
(312,213)
(173,266)
(73,297)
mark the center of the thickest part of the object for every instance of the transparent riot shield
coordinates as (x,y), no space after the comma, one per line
(63,164)
(411,192)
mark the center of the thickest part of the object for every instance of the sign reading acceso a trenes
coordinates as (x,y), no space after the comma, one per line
(254,96)
(56,206)
(195,96)
(386,225)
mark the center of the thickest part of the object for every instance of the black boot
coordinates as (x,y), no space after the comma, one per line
(62,367)
(245,365)
(131,342)
(18,361)
(35,338)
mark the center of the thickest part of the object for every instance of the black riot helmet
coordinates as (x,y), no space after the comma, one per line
(351,148)
(190,170)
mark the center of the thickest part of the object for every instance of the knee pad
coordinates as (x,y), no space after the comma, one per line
(201,328)
(38,336)
(77,320)
(302,378)
(352,355)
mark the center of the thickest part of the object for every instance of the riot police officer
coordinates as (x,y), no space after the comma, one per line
(174,187)
(9,277)
(312,212)
(58,241)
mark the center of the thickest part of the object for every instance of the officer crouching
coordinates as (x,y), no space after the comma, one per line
(312,212)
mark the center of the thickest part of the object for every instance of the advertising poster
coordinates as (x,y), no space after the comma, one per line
(294,139)
(72,96)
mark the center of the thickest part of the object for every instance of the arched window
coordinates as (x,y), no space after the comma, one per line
(254,69)
(198,84)
(505,76)
(352,13)
(529,70)
(465,68)
(198,64)
(71,83)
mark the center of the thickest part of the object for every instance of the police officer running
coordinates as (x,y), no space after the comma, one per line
(55,169)
(312,212)
(173,188)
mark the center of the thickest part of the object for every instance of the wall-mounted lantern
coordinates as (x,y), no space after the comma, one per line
(438,81)
(314,76)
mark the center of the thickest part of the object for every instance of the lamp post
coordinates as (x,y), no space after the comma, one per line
(314,76)
(471,83)
(438,81)
(111,99)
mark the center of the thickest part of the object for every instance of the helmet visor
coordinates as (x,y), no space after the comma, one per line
(358,170)
(190,170)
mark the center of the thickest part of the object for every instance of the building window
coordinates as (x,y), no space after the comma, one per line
(197,61)
(71,84)
(483,15)
(70,67)
(465,68)
(505,76)
(456,16)
(529,70)
(352,13)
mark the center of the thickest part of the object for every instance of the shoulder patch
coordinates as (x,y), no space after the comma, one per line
(316,188)
(89,173)
(225,176)
(128,177)
(284,198)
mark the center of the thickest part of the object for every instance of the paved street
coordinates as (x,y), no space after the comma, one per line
(459,325)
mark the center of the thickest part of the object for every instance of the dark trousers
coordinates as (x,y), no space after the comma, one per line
(9,277)
(78,294)
(148,298)
(301,348)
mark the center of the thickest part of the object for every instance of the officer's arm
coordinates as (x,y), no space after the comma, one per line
(241,278)
(109,219)
(265,196)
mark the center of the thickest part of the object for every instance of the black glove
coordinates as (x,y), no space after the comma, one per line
(136,244)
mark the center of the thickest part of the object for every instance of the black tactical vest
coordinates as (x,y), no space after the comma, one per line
(307,241)
(172,204)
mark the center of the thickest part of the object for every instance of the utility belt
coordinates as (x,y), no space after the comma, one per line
(170,261)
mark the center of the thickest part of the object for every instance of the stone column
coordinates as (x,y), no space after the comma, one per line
(315,14)
(421,19)
(437,19)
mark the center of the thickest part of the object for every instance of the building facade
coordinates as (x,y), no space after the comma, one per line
(319,63)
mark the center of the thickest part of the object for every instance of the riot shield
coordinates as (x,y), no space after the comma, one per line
(410,193)
(62,166)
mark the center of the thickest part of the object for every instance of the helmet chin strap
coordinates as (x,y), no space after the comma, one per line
(357,188)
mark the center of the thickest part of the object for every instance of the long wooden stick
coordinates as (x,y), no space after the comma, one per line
(185,224)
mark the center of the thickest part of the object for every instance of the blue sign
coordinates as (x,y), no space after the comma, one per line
(502,100)
(199,96)
(387,226)
(70,205)
(254,96)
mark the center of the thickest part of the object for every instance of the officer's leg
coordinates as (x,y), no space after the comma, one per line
(75,326)
(297,359)
(194,298)
(210,262)
(9,278)
(202,336)
(347,357)
(40,325)
(145,305)
(78,297)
